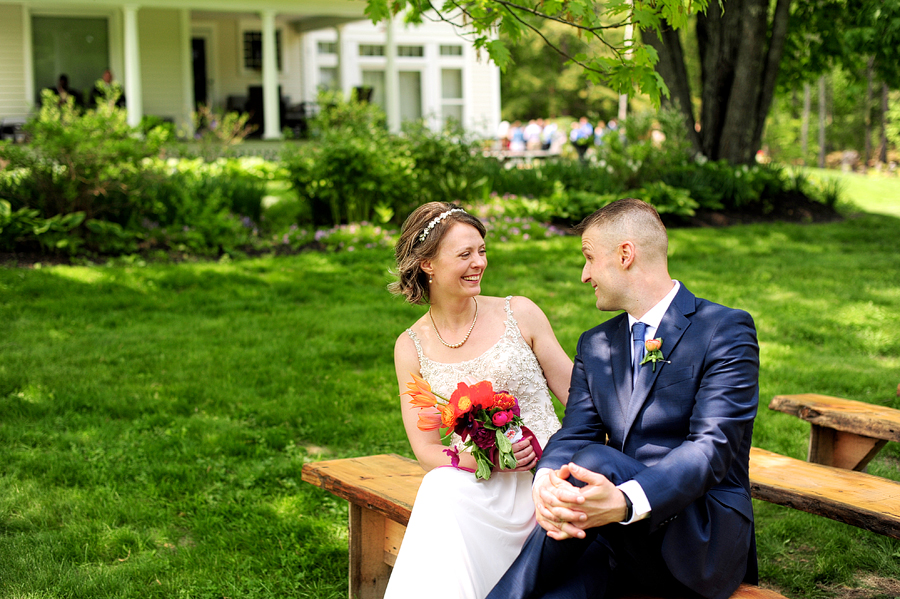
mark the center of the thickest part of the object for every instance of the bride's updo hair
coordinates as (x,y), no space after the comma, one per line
(431,221)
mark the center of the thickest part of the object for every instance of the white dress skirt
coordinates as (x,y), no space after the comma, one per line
(464,533)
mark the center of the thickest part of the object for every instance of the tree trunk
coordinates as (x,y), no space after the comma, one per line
(870,75)
(822,121)
(804,122)
(740,51)
(883,154)
(672,68)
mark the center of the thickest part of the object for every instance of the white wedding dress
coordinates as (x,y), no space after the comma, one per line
(464,533)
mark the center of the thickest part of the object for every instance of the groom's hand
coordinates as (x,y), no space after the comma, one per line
(547,490)
(573,509)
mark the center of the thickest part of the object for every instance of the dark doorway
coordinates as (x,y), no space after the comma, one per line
(198,52)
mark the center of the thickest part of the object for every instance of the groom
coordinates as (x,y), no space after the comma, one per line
(646,487)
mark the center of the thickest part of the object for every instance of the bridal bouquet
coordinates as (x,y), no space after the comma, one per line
(488,422)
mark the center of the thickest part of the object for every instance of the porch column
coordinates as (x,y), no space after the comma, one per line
(391,79)
(134,94)
(187,72)
(271,100)
(339,84)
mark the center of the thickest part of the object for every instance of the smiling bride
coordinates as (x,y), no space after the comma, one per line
(464,533)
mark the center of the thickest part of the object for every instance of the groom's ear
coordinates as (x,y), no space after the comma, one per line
(625,254)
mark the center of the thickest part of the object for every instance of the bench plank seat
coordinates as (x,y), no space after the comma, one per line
(386,484)
(844,433)
(855,498)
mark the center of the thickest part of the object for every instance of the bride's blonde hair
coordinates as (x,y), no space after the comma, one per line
(420,238)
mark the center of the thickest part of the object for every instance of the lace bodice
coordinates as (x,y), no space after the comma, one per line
(509,365)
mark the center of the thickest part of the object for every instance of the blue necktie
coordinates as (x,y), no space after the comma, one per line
(637,331)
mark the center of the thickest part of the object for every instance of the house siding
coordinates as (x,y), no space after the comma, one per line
(162,75)
(13,102)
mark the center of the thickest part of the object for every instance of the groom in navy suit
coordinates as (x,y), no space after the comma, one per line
(645,488)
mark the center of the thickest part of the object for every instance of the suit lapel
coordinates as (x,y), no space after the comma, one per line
(671,329)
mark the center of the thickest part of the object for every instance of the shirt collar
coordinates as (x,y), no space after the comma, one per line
(655,314)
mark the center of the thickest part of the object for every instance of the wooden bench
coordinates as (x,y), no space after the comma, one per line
(856,498)
(381,490)
(845,433)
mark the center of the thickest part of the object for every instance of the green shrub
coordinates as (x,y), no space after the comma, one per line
(446,163)
(26,227)
(80,162)
(352,166)
(668,200)
(345,176)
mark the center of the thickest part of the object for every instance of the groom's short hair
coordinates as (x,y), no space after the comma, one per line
(630,218)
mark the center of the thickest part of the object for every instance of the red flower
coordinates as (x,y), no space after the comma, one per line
(482,437)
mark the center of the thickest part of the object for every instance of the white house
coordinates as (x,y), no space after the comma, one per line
(172,54)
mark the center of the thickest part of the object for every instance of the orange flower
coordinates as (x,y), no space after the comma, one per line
(428,420)
(653,344)
(420,392)
(503,400)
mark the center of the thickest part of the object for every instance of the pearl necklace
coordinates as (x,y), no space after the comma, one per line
(466,338)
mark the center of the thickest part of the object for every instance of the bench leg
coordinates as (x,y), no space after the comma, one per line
(842,450)
(368,571)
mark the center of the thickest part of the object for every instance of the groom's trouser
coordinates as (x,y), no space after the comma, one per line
(611,560)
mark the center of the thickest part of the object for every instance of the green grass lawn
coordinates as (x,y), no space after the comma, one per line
(154,419)
(872,192)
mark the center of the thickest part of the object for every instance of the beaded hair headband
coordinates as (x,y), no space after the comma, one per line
(436,220)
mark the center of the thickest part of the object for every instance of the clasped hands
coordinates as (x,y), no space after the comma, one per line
(566,511)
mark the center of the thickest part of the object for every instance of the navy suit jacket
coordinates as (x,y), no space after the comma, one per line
(689,422)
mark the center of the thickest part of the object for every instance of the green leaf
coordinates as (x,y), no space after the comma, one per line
(499,53)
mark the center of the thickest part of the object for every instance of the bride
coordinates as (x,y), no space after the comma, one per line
(463,532)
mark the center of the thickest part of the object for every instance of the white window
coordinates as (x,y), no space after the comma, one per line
(451,50)
(328,78)
(253,50)
(411,51)
(410,95)
(371,50)
(451,95)
(327,48)
(375,79)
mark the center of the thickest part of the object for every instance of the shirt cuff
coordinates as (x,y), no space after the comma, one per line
(639,502)
(541,473)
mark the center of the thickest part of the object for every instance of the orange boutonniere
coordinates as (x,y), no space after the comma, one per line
(654,355)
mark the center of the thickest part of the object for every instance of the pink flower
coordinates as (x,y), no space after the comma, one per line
(501,418)
(454,456)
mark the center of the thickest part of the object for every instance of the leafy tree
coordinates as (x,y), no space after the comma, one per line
(540,83)
(623,65)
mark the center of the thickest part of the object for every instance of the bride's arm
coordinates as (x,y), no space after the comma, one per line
(425,444)
(538,333)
